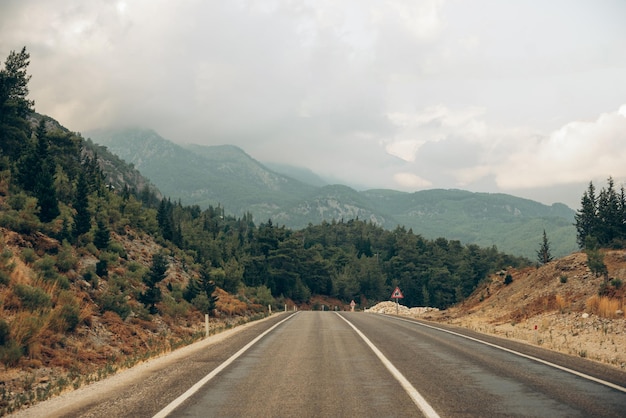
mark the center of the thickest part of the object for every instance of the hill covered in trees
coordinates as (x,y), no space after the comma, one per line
(226,175)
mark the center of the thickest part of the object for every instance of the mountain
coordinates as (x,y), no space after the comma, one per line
(225,175)
(117,173)
(220,175)
(301,174)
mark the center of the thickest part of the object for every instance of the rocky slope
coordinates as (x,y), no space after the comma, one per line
(556,306)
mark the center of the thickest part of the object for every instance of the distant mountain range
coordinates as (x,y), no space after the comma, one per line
(225,175)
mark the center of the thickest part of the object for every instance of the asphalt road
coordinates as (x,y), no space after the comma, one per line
(327,364)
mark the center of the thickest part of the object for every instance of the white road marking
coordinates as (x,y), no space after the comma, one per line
(182,398)
(417,398)
(547,363)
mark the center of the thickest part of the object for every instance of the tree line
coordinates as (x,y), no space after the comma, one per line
(601,219)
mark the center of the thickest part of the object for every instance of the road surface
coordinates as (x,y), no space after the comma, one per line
(323,364)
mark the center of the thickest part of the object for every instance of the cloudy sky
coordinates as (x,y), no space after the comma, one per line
(519,96)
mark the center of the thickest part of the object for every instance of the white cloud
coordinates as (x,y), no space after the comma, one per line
(398,93)
(577,152)
(422,19)
(431,125)
(411,181)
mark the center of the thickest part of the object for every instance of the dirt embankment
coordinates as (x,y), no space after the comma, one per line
(556,306)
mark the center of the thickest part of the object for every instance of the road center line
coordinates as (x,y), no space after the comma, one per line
(547,363)
(182,398)
(406,385)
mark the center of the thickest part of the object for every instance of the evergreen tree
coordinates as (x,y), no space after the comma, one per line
(609,218)
(82,219)
(165,218)
(543,254)
(586,217)
(595,259)
(158,271)
(102,236)
(14,106)
(622,212)
(28,166)
(192,290)
(44,189)
(208,287)
(45,193)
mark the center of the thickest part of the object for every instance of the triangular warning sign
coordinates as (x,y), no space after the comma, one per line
(397,294)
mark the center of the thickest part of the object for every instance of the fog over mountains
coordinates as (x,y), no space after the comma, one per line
(225,175)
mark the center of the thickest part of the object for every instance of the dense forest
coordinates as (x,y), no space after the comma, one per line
(54,187)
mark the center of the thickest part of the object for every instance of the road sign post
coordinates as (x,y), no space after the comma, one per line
(397,294)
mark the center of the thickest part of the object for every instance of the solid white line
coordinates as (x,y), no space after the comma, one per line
(547,363)
(182,398)
(417,398)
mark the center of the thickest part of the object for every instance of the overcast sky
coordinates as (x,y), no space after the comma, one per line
(518,96)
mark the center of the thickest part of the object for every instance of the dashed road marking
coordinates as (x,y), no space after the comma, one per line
(416,397)
(182,398)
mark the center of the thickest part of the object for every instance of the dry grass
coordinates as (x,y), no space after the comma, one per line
(604,306)
(561,303)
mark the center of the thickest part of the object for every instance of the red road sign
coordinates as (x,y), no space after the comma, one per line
(397,294)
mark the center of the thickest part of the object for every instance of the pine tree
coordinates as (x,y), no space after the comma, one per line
(14,106)
(45,193)
(622,212)
(82,220)
(102,235)
(543,254)
(44,189)
(609,218)
(586,217)
(192,290)
(158,271)
(208,287)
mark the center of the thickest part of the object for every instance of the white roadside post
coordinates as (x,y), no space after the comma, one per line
(206,325)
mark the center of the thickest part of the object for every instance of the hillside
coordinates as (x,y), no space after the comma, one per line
(110,330)
(227,176)
(556,306)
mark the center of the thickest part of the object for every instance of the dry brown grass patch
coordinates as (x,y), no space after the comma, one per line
(603,306)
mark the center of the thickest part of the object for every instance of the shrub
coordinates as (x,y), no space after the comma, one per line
(117,248)
(66,260)
(260,294)
(29,255)
(201,303)
(175,309)
(5,332)
(90,276)
(102,268)
(23,215)
(47,268)
(563,279)
(115,303)
(10,354)
(508,279)
(5,279)
(6,255)
(32,298)
(67,313)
